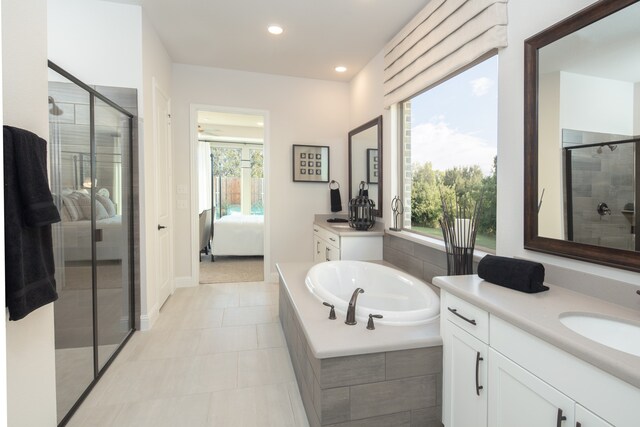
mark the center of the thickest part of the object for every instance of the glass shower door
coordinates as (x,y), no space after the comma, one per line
(112,193)
(70,149)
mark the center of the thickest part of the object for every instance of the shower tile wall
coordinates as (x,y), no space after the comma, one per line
(603,177)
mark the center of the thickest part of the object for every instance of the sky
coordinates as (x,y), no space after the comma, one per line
(456,122)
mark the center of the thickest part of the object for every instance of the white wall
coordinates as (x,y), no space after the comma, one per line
(301,111)
(550,217)
(99,42)
(636,109)
(31,388)
(156,69)
(526,18)
(366,102)
(595,104)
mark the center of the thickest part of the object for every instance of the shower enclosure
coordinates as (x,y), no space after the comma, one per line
(601,189)
(91,178)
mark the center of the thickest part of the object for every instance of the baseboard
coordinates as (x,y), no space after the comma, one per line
(148,320)
(185,282)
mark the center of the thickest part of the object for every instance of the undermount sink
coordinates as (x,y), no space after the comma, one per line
(615,333)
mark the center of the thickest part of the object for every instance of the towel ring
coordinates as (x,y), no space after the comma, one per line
(334,182)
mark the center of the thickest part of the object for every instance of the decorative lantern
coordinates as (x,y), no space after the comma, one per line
(361,209)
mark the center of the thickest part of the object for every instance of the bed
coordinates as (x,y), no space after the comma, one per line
(75,233)
(239,235)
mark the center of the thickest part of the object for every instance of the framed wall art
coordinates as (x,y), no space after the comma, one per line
(372,166)
(310,163)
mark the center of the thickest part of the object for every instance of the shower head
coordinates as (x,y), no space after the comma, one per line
(599,150)
(54,109)
(612,147)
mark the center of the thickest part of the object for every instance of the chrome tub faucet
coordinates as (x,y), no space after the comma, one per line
(351,311)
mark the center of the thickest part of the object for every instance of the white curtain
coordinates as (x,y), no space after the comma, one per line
(443,38)
(204,176)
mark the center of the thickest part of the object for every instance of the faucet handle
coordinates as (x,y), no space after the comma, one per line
(332,312)
(370,324)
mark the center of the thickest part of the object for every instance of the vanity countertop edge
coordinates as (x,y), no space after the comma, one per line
(342,229)
(538,314)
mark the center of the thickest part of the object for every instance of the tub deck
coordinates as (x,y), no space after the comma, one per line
(332,338)
(389,376)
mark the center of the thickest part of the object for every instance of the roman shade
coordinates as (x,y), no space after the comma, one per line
(443,38)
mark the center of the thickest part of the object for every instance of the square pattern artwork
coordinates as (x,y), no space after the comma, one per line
(372,166)
(310,163)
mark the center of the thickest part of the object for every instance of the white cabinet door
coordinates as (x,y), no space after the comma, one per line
(331,253)
(586,418)
(464,379)
(518,398)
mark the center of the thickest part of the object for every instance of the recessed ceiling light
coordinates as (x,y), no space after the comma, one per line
(341,69)
(275,29)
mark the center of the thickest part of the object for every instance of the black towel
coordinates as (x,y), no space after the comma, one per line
(518,274)
(29,212)
(336,201)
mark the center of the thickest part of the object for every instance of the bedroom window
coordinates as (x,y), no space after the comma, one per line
(449,147)
(238,179)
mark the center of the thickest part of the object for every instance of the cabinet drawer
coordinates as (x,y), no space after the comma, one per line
(467,316)
(326,235)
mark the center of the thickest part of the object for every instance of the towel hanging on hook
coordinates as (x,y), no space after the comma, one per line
(336,201)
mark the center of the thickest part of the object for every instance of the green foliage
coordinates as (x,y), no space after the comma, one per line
(257,161)
(226,161)
(464,185)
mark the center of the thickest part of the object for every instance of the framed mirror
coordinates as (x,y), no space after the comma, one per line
(365,161)
(582,136)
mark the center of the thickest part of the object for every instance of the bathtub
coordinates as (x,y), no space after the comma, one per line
(400,298)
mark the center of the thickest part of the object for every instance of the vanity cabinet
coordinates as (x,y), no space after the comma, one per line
(332,245)
(518,398)
(464,331)
(498,375)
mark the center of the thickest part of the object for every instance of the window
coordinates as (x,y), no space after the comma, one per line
(449,136)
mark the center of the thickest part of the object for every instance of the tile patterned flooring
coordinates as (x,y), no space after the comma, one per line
(215,357)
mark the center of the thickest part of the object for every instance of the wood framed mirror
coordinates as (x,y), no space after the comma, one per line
(365,161)
(582,143)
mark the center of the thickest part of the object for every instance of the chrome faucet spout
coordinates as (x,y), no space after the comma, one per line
(351,311)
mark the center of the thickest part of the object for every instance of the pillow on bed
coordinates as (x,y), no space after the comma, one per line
(106,203)
(83,199)
(69,202)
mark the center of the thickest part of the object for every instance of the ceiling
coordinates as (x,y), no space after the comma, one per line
(318,34)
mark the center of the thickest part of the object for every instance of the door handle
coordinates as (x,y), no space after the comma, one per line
(478,386)
(160,227)
(560,418)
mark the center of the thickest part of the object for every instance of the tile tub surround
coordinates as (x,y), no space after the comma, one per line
(382,386)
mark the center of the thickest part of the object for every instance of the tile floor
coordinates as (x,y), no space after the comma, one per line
(216,357)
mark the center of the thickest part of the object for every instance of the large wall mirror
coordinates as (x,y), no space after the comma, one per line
(365,161)
(582,136)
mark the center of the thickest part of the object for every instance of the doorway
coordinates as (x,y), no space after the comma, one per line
(231,194)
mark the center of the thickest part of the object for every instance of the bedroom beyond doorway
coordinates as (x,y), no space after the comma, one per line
(231,188)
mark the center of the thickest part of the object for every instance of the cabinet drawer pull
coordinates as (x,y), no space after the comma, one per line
(326,253)
(318,248)
(455,311)
(478,386)
(561,418)
(332,239)
(315,230)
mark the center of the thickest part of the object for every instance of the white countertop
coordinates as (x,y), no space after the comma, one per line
(538,314)
(333,338)
(342,229)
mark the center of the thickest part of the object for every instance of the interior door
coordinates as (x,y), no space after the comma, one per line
(164,260)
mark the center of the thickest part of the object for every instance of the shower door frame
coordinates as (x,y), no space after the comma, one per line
(97,371)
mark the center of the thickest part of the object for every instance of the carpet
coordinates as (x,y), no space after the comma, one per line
(231,269)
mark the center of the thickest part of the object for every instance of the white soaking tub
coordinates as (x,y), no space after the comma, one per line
(400,298)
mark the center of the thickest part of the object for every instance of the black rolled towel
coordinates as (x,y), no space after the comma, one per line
(518,274)
(336,201)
